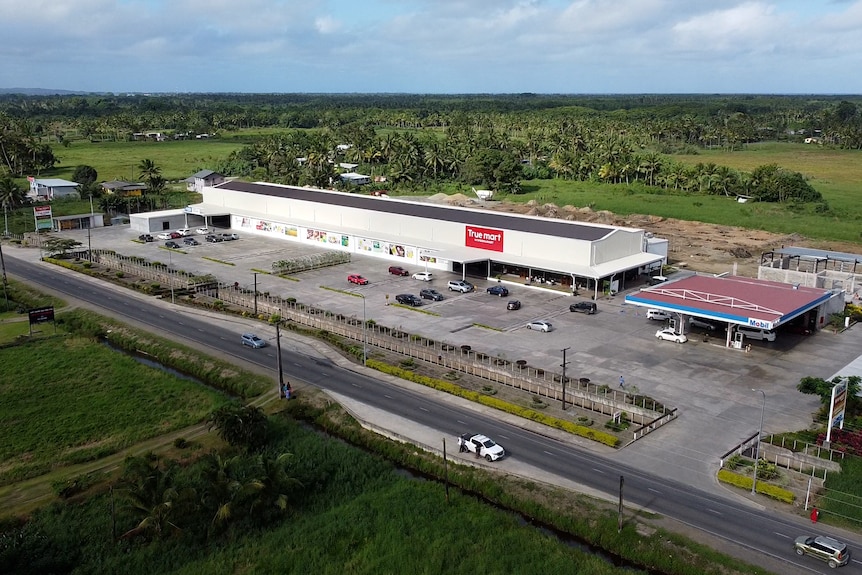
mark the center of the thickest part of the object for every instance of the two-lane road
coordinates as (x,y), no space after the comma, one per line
(765,533)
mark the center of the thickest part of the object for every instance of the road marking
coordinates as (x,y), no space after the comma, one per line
(549,453)
(356,386)
(387,396)
(504,436)
(461,422)
(714,511)
(425,410)
(599,471)
(296,364)
(782,535)
(655,490)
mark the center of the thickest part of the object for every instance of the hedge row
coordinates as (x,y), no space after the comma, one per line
(440,385)
(744,482)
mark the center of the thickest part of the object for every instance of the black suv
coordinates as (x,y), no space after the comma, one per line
(431,294)
(408,299)
(191,242)
(586,307)
(145,238)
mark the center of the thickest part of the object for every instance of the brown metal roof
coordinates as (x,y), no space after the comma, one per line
(548,227)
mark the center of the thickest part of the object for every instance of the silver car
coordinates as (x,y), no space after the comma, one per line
(827,549)
(252,340)
(540,326)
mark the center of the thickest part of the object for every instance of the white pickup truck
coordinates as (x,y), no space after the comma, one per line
(481,446)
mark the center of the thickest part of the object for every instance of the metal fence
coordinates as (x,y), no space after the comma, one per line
(580,392)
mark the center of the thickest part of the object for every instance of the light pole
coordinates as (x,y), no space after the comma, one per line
(757,445)
(364,333)
(170,273)
(563,365)
(5,221)
(89,225)
(255,293)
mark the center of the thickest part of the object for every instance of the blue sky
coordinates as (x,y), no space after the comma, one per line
(433,46)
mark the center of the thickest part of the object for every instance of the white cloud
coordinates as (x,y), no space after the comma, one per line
(435,45)
(751,26)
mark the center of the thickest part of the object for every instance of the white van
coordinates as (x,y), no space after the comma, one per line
(658,314)
(756,333)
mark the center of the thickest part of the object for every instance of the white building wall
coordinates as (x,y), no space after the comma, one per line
(291,219)
(618,244)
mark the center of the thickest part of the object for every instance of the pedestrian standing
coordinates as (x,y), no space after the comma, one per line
(622,382)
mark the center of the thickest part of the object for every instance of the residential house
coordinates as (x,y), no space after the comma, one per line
(196,182)
(124,189)
(47,189)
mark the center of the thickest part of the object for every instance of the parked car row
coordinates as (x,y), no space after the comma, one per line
(185,232)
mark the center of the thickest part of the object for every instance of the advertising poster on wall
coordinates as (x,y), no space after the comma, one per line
(372,246)
(288,230)
(323,237)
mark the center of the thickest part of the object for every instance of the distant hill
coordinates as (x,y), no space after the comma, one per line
(40,91)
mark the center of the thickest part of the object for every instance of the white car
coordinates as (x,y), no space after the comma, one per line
(481,446)
(203,230)
(540,326)
(184,231)
(424,276)
(164,236)
(670,335)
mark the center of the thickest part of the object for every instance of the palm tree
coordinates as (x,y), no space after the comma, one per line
(240,425)
(11,196)
(152,497)
(148,170)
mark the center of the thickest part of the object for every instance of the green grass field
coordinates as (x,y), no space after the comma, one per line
(67,399)
(837,174)
(119,160)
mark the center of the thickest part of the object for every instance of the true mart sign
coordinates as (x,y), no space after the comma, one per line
(484,238)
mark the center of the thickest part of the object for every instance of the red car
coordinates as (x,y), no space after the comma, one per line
(176,235)
(398,271)
(357,279)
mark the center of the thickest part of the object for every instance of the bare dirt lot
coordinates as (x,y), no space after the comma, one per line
(698,246)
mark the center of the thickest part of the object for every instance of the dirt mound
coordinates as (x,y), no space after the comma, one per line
(709,248)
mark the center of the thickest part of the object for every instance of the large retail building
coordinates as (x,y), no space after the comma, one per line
(473,242)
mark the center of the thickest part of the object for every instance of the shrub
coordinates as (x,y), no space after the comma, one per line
(767,489)
(120,274)
(507,407)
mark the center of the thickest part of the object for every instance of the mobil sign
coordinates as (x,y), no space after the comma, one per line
(760,323)
(484,238)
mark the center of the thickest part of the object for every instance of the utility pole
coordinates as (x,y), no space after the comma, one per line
(278,355)
(3,266)
(563,365)
(757,445)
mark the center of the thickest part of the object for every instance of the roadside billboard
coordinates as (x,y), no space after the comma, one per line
(42,216)
(836,407)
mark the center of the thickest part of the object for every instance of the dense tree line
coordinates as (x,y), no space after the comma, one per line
(413,141)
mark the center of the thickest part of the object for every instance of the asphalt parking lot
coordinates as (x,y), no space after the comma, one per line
(710,384)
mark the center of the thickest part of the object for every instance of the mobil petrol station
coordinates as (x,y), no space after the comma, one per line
(738,301)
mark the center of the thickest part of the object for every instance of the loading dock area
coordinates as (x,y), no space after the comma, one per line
(737,301)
